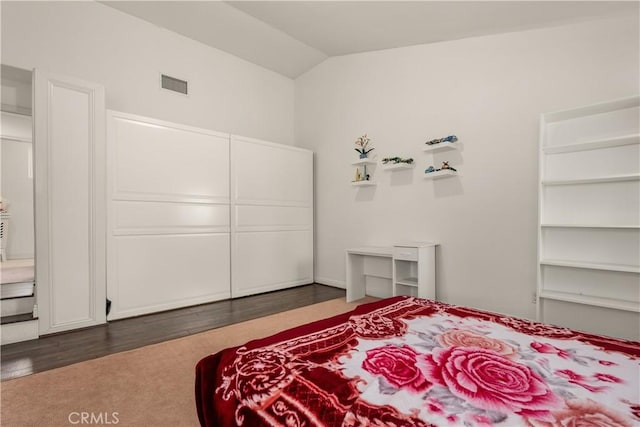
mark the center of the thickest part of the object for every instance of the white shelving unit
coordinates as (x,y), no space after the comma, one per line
(443,146)
(435,150)
(363,183)
(591,265)
(590,226)
(612,178)
(589,218)
(444,173)
(397,166)
(362,164)
(413,270)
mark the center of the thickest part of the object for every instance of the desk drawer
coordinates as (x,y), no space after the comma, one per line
(405,253)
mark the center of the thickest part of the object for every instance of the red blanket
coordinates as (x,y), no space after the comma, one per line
(413,362)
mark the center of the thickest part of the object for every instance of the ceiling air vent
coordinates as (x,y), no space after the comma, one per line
(176,85)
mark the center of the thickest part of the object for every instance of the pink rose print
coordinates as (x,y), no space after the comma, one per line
(397,365)
(577,379)
(572,377)
(465,338)
(585,413)
(480,420)
(435,406)
(607,378)
(607,363)
(489,381)
(634,408)
(549,349)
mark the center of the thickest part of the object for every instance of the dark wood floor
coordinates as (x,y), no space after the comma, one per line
(63,349)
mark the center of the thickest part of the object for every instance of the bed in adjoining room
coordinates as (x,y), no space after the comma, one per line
(407,361)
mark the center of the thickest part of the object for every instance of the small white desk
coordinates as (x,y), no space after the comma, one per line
(356,271)
(410,268)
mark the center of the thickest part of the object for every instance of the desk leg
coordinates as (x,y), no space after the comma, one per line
(427,273)
(355,277)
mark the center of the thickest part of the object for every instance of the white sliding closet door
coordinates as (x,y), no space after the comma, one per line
(272,216)
(168,242)
(69,202)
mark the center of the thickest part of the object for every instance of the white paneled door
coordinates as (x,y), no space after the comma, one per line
(168,223)
(271,216)
(69,160)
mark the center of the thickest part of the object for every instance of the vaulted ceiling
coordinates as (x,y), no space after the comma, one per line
(291,37)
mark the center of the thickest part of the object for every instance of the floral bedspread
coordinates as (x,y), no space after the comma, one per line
(414,362)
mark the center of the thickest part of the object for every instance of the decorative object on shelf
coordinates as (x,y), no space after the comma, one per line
(445,166)
(396,160)
(450,138)
(364,176)
(363,142)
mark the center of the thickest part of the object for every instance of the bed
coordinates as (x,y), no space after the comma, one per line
(407,361)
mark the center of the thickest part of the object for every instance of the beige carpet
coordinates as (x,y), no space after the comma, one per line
(150,386)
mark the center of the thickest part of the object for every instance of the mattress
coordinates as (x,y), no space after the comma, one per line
(407,361)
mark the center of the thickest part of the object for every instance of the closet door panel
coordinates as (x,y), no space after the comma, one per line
(272,216)
(250,217)
(16,176)
(169,224)
(160,272)
(154,159)
(271,173)
(270,260)
(163,217)
(69,202)
(69,187)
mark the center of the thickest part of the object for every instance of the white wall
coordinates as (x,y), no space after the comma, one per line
(125,54)
(16,96)
(16,183)
(490,92)
(17,197)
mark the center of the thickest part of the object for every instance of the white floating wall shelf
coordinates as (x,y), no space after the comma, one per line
(443,146)
(440,174)
(397,166)
(363,183)
(366,161)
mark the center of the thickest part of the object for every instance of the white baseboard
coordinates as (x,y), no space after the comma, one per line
(155,308)
(331,282)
